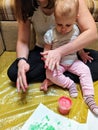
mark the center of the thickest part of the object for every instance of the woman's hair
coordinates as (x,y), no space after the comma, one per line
(67,8)
(25,8)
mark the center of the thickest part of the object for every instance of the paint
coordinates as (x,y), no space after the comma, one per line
(64,105)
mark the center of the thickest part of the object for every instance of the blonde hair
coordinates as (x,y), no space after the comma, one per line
(68,8)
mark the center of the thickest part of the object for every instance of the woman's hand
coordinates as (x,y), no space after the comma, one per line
(21,83)
(85,56)
(52,59)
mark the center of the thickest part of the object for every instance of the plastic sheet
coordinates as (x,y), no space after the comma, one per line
(16,108)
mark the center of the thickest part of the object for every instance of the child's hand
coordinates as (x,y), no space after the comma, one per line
(44,57)
(85,56)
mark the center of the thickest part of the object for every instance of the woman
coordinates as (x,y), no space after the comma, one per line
(29,67)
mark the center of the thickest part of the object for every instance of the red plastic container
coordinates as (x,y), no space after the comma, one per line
(64,105)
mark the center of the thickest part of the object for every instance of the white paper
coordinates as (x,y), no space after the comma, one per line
(45,119)
(92,121)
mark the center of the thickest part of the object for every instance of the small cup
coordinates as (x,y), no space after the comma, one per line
(64,105)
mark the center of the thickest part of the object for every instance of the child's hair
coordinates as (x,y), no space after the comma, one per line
(68,8)
(26,8)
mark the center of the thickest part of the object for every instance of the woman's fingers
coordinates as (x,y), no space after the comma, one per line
(57,66)
(52,59)
(24,80)
(51,65)
(44,53)
(23,67)
(21,82)
(20,85)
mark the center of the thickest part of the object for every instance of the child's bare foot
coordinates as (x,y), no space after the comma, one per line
(45,85)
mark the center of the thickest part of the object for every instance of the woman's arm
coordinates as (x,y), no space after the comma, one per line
(88,30)
(22,47)
(22,50)
(88,35)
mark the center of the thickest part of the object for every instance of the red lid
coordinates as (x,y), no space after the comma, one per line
(65,102)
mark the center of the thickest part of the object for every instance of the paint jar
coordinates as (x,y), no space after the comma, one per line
(64,105)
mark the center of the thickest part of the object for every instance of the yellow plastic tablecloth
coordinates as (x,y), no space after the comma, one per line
(16,108)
